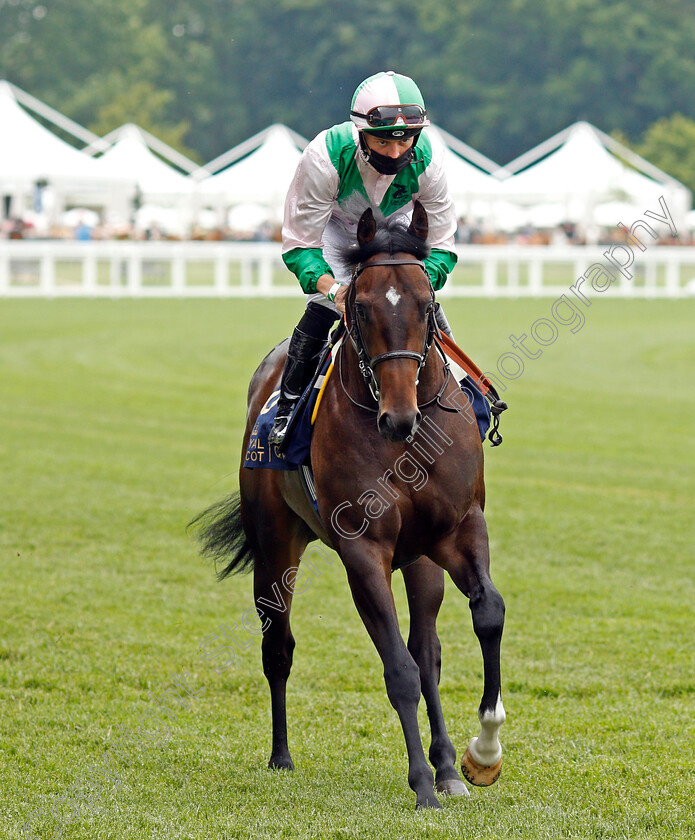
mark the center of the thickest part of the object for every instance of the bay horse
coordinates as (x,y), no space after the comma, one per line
(373,511)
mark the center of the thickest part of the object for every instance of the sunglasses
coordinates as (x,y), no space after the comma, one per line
(385,115)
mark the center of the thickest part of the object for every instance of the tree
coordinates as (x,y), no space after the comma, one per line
(97,61)
(670,144)
(514,72)
(207,74)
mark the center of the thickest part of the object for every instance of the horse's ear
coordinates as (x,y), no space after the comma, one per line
(419,226)
(366,229)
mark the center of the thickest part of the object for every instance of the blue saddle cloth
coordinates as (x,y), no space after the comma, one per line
(481,407)
(261,455)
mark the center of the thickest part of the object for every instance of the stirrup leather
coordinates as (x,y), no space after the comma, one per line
(295,377)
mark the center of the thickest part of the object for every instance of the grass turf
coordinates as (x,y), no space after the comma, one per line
(119,420)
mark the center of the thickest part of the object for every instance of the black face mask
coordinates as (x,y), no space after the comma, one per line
(384,164)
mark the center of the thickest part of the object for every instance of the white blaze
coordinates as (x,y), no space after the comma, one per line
(392,296)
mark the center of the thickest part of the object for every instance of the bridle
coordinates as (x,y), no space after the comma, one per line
(354,330)
(367,364)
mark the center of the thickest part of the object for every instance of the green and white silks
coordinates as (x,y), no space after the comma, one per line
(331,171)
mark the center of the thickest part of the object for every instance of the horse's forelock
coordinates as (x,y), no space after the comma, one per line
(392,237)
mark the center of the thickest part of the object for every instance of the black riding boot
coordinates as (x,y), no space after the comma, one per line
(442,322)
(306,343)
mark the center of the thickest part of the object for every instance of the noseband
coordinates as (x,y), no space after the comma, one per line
(366,362)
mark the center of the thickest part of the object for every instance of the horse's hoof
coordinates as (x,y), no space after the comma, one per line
(452,787)
(427,801)
(477,774)
(281,763)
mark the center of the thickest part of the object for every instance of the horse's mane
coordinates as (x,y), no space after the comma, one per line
(392,236)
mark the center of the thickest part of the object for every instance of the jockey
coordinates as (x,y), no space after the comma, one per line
(382,157)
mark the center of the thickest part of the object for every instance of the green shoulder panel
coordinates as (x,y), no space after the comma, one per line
(341,150)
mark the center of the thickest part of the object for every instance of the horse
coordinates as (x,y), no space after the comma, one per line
(405,492)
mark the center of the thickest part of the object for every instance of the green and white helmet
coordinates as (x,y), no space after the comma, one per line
(390,105)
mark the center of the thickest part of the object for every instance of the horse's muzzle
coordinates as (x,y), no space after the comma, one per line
(396,426)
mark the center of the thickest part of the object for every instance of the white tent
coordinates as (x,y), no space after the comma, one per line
(260,178)
(582,168)
(131,156)
(466,181)
(31,154)
(164,197)
(473,189)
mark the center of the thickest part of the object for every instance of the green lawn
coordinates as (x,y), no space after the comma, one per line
(119,420)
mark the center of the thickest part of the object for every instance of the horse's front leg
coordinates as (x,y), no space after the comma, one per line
(467,559)
(424,583)
(369,575)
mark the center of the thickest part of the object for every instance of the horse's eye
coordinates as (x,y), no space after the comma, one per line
(360,311)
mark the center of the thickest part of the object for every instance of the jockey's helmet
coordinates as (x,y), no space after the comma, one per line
(389,105)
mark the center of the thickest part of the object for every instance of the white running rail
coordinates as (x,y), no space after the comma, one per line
(57,268)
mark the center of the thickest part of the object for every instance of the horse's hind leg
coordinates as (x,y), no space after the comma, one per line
(424,583)
(468,562)
(278,543)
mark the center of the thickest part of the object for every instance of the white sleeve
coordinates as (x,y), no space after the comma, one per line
(311,198)
(435,198)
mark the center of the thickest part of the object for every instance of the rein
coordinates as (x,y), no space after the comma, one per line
(366,362)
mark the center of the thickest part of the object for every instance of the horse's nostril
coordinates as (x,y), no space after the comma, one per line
(398,428)
(385,425)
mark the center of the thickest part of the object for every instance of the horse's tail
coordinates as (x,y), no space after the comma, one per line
(221,536)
